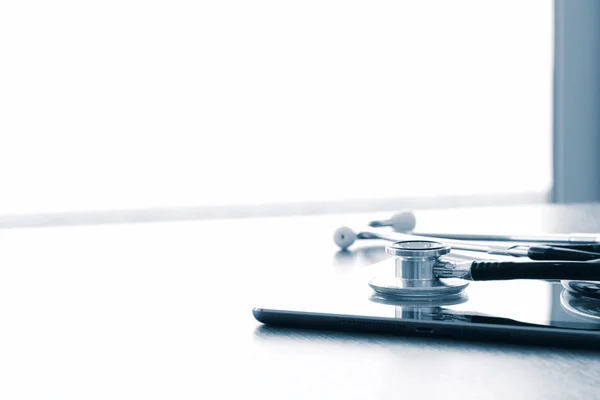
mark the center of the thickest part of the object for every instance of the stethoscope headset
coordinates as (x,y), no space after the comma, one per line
(426,270)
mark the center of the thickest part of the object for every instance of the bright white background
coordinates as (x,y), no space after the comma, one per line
(136,104)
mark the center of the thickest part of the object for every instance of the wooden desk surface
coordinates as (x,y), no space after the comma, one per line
(163,311)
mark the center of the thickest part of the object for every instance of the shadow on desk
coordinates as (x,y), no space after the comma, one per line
(276,334)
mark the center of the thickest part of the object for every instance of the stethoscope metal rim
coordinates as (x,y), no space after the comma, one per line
(411,248)
(398,288)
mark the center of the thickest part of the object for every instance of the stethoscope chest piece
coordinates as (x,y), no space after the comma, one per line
(413,275)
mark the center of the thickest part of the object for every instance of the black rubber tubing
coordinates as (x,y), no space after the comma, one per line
(560,254)
(507,270)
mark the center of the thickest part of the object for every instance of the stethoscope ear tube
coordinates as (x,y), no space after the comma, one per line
(546,270)
(592,248)
(560,254)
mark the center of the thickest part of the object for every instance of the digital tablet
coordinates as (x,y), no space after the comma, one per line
(522,311)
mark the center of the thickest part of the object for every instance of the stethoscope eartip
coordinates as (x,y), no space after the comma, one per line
(344,237)
(403,222)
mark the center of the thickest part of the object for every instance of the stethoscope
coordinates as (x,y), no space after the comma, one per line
(424,267)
